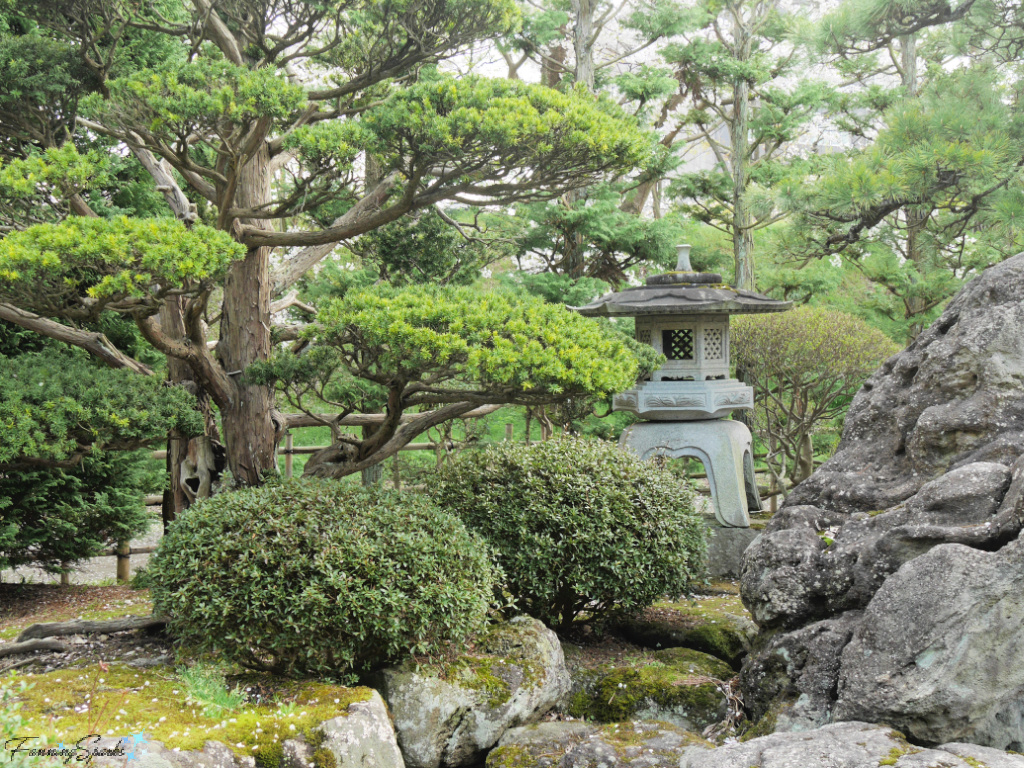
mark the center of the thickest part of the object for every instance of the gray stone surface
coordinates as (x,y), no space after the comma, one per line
(931,455)
(154,754)
(363,737)
(296,753)
(584,745)
(938,653)
(793,679)
(841,745)
(721,446)
(517,676)
(953,397)
(725,550)
(986,757)
(792,574)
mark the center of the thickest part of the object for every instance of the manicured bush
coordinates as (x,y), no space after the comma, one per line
(580,527)
(319,577)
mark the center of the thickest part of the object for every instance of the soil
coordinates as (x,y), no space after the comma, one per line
(25,604)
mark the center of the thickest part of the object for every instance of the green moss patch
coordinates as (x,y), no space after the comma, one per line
(677,683)
(896,753)
(491,665)
(712,623)
(512,756)
(117,700)
(621,736)
(628,739)
(695,662)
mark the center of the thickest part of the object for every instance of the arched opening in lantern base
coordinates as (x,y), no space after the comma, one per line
(719,445)
(692,469)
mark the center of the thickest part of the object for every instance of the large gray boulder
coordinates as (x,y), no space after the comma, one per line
(451,715)
(792,681)
(844,745)
(953,397)
(939,651)
(932,454)
(792,574)
(362,738)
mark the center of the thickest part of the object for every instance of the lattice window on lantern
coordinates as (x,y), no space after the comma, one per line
(677,344)
(712,343)
(643,335)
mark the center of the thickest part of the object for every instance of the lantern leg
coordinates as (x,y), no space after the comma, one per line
(722,446)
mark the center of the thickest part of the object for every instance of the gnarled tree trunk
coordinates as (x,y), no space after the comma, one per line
(251,431)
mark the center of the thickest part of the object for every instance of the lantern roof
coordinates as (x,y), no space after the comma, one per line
(682,292)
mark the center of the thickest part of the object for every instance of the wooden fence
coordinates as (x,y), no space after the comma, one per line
(123,551)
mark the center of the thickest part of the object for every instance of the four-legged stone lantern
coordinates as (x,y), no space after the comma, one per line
(685,316)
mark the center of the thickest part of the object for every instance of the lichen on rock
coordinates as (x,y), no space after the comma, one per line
(450,713)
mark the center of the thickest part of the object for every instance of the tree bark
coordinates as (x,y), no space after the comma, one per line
(583,43)
(805,458)
(83,627)
(13,649)
(251,432)
(916,221)
(573,261)
(742,219)
(94,343)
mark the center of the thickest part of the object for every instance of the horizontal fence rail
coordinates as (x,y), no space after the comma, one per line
(123,551)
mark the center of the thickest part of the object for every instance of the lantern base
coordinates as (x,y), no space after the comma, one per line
(723,447)
(684,400)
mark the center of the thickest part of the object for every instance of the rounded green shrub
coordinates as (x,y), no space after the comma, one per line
(318,577)
(580,527)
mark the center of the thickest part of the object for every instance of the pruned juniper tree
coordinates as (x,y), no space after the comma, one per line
(249,116)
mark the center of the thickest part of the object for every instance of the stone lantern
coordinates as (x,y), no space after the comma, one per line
(685,316)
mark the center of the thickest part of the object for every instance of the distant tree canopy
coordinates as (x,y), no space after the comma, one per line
(933,194)
(805,365)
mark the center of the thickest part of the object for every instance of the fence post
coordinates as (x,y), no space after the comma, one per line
(396,474)
(288,455)
(508,432)
(124,562)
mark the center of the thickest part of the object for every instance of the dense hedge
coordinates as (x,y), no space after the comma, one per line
(320,577)
(580,527)
(49,517)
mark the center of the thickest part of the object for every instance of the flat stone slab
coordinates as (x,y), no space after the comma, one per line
(845,745)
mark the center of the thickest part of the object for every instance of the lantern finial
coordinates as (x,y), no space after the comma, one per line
(683,264)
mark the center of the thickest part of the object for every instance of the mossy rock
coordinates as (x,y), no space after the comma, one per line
(676,686)
(646,744)
(154,700)
(695,662)
(715,624)
(453,711)
(719,640)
